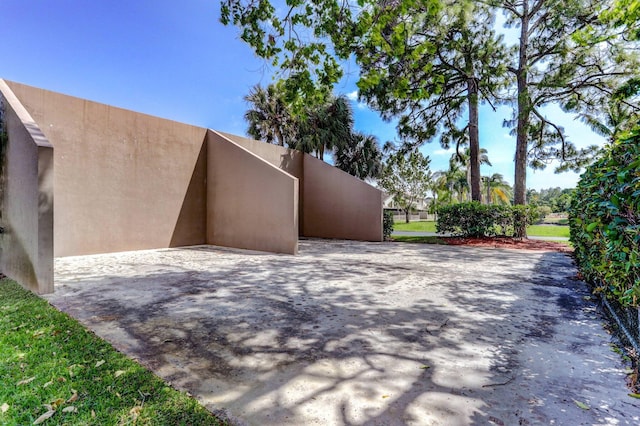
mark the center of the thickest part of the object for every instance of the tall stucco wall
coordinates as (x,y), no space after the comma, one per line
(289,160)
(338,205)
(123,180)
(251,203)
(26,245)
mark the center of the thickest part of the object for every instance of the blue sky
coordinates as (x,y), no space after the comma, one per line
(175,60)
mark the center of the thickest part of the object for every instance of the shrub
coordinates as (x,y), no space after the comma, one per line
(467,219)
(387,225)
(543,211)
(523,216)
(604,221)
(478,220)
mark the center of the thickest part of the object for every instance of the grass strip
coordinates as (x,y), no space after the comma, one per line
(548,231)
(417,226)
(418,239)
(533,230)
(50,365)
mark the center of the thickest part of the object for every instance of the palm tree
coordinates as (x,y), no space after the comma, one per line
(440,192)
(269,117)
(328,126)
(464,159)
(498,189)
(455,181)
(360,157)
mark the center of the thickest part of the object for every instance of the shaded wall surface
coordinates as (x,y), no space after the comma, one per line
(288,160)
(123,180)
(337,205)
(250,202)
(340,205)
(26,245)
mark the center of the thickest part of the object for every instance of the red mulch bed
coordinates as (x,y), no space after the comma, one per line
(502,242)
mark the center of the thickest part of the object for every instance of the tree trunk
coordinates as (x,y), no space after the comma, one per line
(474,139)
(406,215)
(520,184)
(488,191)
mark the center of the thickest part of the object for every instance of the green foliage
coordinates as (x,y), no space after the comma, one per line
(480,220)
(426,63)
(551,68)
(470,219)
(498,191)
(49,358)
(558,200)
(328,125)
(430,65)
(360,156)
(544,211)
(269,116)
(522,217)
(387,225)
(295,38)
(624,14)
(407,178)
(605,221)
(313,128)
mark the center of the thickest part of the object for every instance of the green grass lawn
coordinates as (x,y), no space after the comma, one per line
(533,230)
(548,231)
(421,226)
(50,365)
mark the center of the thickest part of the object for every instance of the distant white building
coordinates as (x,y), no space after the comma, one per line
(388,203)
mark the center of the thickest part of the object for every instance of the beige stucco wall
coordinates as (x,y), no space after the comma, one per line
(26,246)
(123,180)
(289,160)
(251,203)
(338,205)
(341,206)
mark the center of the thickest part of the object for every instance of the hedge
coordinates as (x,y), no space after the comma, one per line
(480,220)
(604,221)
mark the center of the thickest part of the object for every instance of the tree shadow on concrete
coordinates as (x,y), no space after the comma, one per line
(355,333)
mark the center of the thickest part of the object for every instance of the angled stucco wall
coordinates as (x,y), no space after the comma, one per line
(251,203)
(286,159)
(123,180)
(338,205)
(26,246)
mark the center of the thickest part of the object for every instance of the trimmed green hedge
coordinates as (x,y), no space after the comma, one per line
(480,220)
(604,221)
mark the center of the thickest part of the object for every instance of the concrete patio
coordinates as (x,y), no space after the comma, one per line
(351,333)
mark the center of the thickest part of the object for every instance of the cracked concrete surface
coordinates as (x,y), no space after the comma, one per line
(352,333)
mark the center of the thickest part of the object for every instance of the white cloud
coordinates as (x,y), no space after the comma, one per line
(443,151)
(352,96)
